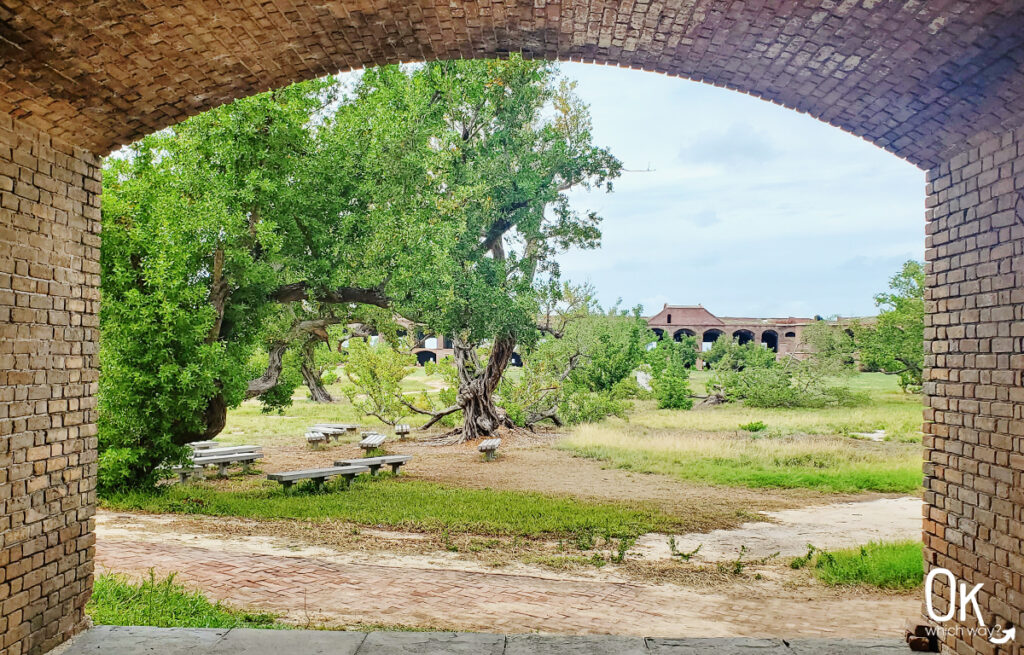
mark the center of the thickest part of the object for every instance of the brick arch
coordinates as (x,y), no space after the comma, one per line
(903,75)
(939,84)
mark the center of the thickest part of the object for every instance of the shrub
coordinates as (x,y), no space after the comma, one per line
(753,426)
(591,406)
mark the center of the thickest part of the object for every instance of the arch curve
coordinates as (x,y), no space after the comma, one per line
(923,108)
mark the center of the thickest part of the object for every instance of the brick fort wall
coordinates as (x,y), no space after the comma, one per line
(974,345)
(49,296)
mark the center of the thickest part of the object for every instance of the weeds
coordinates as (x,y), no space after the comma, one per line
(685,556)
(116,600)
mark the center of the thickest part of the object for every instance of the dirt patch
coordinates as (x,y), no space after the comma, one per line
(839,525)
(532,465)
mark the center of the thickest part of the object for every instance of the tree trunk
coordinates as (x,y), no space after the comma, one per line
(317,392)
(481,417)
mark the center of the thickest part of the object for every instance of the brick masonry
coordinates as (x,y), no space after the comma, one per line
(974,471)
(939,83)
(49,293)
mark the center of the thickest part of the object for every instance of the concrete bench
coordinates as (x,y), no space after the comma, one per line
(318,476)
(227,450)
(203,445)
(371,442)
(186,472)
(222,462)
(394,461)
(222,457)
(489,447)
(315,438)
(347,427)
(402,431)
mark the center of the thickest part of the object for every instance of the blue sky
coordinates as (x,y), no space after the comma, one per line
(751,209)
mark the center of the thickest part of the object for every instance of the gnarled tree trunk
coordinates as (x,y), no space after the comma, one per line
(317,392)
(481,417)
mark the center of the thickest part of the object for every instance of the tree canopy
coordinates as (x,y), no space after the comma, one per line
(435,192)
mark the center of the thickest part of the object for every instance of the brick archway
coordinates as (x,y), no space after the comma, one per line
(940,84)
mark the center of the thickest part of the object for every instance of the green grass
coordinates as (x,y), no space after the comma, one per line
(798,448)
(899,414)
(831,464)
(887,565)
(116,600)
(407,504)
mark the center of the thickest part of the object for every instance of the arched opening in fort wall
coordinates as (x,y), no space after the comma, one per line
(938,84)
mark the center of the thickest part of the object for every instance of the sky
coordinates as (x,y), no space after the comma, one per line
(745,207)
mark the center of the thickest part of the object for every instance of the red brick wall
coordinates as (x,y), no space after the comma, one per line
(974,471)
(49,296)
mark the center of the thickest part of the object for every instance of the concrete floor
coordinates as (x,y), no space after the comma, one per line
(111,640)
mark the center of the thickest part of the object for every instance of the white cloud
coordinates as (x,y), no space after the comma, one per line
(749,209)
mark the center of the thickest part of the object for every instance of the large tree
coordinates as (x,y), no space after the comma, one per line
(522,139)
(263,221)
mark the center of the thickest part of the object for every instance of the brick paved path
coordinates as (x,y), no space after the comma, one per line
(320,590)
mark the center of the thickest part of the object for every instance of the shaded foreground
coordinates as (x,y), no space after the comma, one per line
(179,641)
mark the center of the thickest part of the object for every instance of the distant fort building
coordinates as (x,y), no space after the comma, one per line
(783,335)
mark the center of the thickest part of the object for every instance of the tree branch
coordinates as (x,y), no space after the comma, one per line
(298,291)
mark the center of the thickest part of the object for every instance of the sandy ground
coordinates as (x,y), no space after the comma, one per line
(530,464)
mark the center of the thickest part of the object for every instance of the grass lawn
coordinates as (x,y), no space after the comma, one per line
(409,505)
(800,448)
(164,604)
(891,565)
(889,409)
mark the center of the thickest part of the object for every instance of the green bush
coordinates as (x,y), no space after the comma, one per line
(592,406)
(753,426)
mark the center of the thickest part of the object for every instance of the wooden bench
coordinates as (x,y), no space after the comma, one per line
(394,461)
(489,447)
(318,476)
(371,441)
(203,445)
(402,431)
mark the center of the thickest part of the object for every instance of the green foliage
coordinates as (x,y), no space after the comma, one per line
(116,600)
(750,373)
(887,565)
(895,343)
(376,373)
(408,505)
(672,387)
(582,406)
(584,376)
(728,354)
(753,426)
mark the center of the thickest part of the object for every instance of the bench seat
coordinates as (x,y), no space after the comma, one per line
(203,445)
(489,447)
(372,441)
(227,450)
(318,476)
(348,427)
(374,463)
(223,461)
